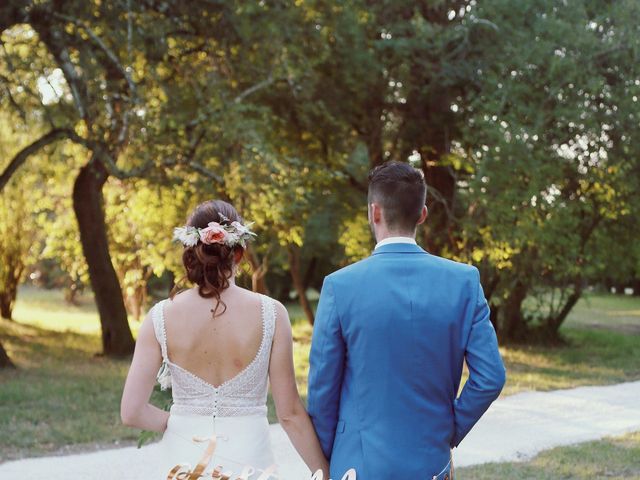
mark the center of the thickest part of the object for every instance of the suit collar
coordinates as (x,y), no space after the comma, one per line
(396,240)
(398,248)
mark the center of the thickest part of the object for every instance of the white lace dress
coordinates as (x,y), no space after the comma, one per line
(235,411)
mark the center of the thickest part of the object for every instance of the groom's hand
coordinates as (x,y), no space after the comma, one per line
(486,369)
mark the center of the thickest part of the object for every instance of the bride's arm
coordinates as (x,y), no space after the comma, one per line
(135,409)
(291,412)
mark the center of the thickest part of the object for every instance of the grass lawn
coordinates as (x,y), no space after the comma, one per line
(611,458)
(616,312)
(63,397)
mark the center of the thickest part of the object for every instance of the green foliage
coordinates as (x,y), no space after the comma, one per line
(522,116)
(20,237)
(549,136)
(141,217)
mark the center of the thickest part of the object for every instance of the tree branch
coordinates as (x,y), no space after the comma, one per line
(113,58)
(29,150)
(59,133)
(438,197)
(15,104)
(353,181)
(107,159)
(254,88)
(30,93)
(198,167)
(59,50)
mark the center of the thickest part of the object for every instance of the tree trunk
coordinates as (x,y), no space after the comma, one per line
(494,312)
(298,282)
(12,273)
(258,271)
(88,206)
(6,306)
(135,293)
(71,293)
(513,322)
(440,193)
(554,323)
(372,127)
(5,361)
(311,270)
(441,184)
(135,299)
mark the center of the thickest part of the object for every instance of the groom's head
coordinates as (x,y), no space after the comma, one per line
(397,196)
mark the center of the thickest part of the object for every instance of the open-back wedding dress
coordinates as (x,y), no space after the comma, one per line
(234,411)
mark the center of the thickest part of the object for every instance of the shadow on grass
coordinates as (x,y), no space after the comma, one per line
(61,393)
(589,357)
(31,345)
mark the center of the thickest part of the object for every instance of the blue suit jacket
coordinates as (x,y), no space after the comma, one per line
(390,337)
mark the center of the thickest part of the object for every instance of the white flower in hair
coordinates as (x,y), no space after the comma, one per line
(231,234)
(189,236)
(244,232)
(242,229)
(233,238)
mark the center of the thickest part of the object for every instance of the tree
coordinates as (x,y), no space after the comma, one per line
(20,237)
(382,78)
(554,172)
(14,247)
(61,37)
(114,63)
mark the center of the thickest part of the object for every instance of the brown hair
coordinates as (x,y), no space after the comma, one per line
(210,266)
(401,191)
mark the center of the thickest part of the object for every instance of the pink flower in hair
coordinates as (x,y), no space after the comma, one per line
(214,233)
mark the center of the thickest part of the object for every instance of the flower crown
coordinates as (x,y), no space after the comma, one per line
(231,234)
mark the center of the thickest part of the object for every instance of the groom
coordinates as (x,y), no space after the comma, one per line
(390,338)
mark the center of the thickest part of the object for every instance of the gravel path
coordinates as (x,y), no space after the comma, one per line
(515,428)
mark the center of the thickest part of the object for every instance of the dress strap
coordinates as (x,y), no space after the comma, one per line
(157,316)
(269,317)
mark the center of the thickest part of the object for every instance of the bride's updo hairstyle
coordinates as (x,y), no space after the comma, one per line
(210,265)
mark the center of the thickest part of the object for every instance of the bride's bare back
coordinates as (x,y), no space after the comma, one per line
(218,367)
(214,349)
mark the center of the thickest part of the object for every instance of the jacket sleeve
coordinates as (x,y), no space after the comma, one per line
(326,368)
(487,374)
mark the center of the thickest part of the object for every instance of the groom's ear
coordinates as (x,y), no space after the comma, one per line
(376,213)
(423,215)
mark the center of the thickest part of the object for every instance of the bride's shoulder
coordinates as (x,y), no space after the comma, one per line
(167,307)
(183,297)
(279,308)
(281,311)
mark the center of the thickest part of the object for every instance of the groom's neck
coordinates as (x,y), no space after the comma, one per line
(380,236)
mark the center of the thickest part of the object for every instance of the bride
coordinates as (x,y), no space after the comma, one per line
(218,346)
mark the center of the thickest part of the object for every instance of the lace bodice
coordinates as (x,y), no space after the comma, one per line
(244,394)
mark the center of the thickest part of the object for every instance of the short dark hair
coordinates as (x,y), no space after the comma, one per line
(401,191)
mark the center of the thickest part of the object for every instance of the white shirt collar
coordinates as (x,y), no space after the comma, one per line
(389,240)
